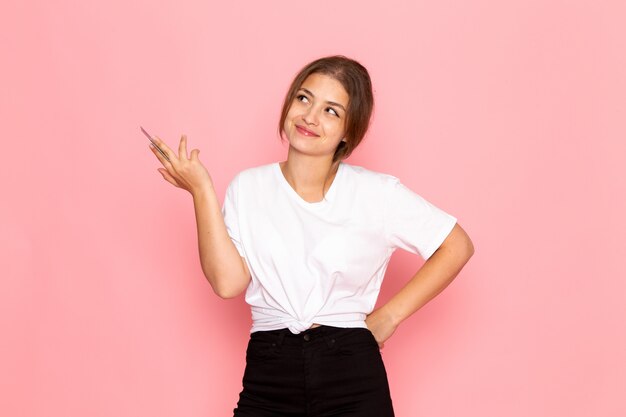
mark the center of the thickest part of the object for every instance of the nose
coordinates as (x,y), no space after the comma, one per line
(310,116)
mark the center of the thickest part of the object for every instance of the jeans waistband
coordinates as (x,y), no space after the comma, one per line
(327,334)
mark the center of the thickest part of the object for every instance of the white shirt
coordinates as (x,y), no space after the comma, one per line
(324,262)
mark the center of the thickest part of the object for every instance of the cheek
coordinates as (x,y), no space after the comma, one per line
(335,128)
(292,113)
(289,125)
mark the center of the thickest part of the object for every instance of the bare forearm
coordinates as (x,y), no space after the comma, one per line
(221,263)
(432,278)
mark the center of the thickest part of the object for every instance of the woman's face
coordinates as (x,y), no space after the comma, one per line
(315,122)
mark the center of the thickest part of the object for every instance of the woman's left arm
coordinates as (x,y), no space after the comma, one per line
(436,274)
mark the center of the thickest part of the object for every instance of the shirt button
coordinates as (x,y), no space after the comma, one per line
(306,337)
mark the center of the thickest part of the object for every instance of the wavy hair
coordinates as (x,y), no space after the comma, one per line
(356,81)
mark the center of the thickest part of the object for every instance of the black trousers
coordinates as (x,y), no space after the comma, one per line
(322,372)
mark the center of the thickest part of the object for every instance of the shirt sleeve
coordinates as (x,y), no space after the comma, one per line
(414,224)
(230,211)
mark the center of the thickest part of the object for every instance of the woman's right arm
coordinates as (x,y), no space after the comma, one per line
(222,265)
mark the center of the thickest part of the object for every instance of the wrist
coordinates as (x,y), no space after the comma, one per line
(202,192)
(392,315)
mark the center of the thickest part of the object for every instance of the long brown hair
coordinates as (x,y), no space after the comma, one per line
(356,81)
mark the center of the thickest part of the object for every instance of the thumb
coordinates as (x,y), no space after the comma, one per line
(194,153)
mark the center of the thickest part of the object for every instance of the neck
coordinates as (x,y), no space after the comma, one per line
(310,176)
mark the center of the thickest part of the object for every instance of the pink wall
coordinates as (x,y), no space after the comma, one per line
(509,115)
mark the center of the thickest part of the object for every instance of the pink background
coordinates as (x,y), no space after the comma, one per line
(509,115)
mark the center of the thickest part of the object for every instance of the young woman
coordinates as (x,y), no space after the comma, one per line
(309,240)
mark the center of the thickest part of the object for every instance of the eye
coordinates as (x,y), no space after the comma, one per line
(332,111)
(302,98)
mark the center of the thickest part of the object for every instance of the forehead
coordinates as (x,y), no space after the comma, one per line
(326,88)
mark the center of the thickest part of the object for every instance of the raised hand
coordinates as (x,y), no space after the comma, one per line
(181,171)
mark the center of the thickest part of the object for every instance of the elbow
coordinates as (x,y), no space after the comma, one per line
(228,284)
(466,248)
(469,248)
(227,293)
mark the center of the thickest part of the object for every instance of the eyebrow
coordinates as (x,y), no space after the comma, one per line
(329,102)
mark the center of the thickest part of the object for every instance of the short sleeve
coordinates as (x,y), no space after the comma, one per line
(230,211)
(414,224)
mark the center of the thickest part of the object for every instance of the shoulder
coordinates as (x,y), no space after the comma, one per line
(362,175)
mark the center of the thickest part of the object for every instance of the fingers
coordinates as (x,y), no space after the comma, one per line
(168,177)
(182,151)
(166,150)
(181,170)
(182,147)
(160,157)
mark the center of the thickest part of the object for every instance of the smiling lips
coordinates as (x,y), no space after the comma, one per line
(305,131)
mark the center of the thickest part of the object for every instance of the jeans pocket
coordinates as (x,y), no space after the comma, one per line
(261,349)
(372,339)
(357,341)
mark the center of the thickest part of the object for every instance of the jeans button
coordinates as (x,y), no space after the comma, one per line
(306,337)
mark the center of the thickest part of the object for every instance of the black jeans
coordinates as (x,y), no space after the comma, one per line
(324,371)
